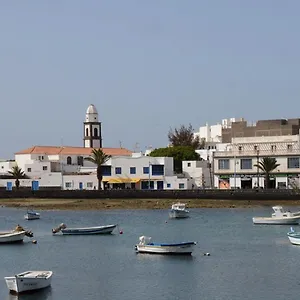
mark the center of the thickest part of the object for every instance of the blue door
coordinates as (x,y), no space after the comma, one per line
(34,185)
(80,185)
(9,186)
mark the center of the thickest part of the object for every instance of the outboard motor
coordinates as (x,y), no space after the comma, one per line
(59,228)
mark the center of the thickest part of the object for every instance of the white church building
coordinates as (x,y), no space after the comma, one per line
(67,168)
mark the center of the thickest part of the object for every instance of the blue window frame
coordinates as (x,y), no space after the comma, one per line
(146,170)
(118,170)
(106,170)
(293,163)
(157,170)
(181,185)
(246,164)
(132,170)
(168,185)
(223,164)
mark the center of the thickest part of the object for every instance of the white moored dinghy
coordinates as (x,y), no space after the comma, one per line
(14,236)
(294,237)
(146,246)
(29,281)
(32,215)
(279,217)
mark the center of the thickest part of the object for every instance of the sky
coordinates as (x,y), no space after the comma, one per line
(147,66)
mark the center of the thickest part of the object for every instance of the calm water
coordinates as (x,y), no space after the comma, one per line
(246,262)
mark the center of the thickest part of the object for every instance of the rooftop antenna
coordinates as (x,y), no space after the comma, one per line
(136,147)
(120,144)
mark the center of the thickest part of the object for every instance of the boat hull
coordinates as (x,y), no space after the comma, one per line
(89,230)
(277,221)
(178,214)
(19,284)
(13,237)
(294,238)
(184,248)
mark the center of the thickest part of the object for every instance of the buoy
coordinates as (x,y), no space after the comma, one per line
(121,232)
(207,254)
(34,241)
(166,221)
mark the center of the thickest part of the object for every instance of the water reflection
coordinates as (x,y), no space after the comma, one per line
(44,294)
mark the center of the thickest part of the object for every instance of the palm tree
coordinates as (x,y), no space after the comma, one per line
(98,157)
(17,173)
(267,165)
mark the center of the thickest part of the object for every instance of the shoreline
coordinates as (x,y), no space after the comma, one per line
(105,204)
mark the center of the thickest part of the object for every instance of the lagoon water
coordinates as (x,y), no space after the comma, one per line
(247,261)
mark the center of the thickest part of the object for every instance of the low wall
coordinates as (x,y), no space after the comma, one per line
(153,194)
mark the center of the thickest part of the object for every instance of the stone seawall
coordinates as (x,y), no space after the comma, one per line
(153,194)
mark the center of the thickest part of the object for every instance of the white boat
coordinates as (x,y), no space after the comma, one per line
(29,281)
(146,246)
(279,217)
(178,210)
(294,237)
(14,236)
(84,230)
(32,215)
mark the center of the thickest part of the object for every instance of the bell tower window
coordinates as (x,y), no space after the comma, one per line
(95,132)
(87,132)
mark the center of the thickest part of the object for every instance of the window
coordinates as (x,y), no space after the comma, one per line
(168,185)
(132,170)
(69,160)
(188,164)
(146,170)
(80,160)
(2,167)
(118,170)
(86,132)
(106,170)
(273,148)
(28,169)
(290,147)
(181,185)
(246,163)
(240,148)
(68,184)
(255,148)
(89,185)
(158,170)
(95,132)
(45,168)
(223,164)
(293,162)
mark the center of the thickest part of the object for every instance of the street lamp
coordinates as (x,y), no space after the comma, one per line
(149,174)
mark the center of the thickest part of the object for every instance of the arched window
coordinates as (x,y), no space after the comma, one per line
(95,131)
(86,132)
(69,160)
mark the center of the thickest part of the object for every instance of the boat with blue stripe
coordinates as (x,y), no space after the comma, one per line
(146,246)
(106,229)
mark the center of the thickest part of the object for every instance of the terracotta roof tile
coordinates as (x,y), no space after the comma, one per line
(54,150)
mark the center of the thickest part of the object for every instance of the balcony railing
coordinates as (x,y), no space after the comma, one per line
(255,153)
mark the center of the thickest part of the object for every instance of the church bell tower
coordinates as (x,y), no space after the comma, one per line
(92,129)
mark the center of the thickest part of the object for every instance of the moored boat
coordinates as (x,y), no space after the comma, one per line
(28,281)
(294,237)
(14,236)
(32,215)
(178,210)
(279,217)
(146,246)
(106,229)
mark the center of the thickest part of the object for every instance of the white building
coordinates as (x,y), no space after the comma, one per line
(235,167)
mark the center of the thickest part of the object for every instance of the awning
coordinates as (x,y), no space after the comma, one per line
(123,180)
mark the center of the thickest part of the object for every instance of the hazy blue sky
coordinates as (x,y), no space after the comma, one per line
(146,65)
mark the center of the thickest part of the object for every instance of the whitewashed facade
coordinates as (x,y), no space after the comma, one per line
(234,168)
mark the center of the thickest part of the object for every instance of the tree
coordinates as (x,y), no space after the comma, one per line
(179,153)
(267,165)
(98,157)
(17,173)
(184,136)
